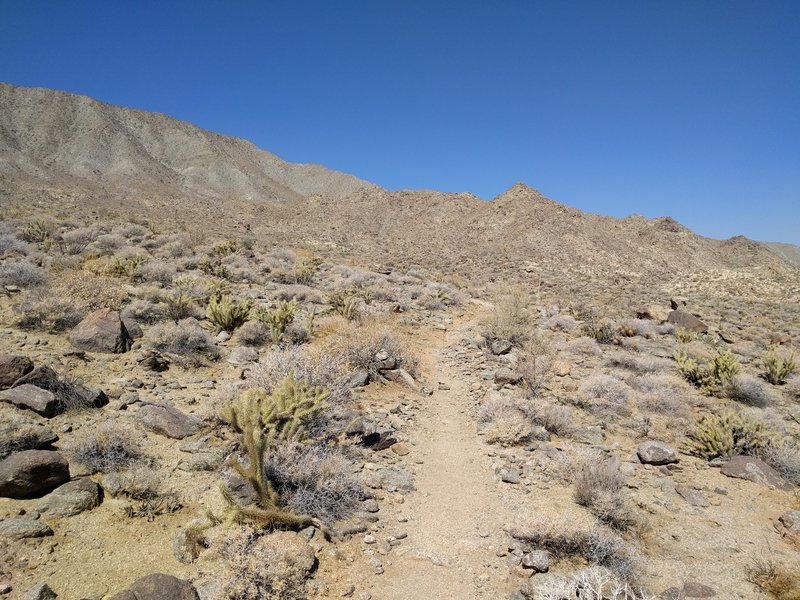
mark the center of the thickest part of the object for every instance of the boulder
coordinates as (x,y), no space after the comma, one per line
(41,376)
(12,368)
(359,379)
(538,560)
(41,591)
(133,327)
(652,452)
(686,320)
(505,375)
(20,528)
(19,431)
(101,331)
(33,398)
(167,420)
(159,586)
(500,347)
(70,499)
(755,470)
(25,473)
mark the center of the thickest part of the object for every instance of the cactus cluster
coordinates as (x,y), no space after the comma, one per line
(226,313)
(719,369)
(262,420)
(277,319)
(728,433)
(777,367)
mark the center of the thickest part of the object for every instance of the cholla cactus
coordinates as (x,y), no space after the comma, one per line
(226,313)
(720,368)
(778,368)
(262,420)
(277,319)
(727,434)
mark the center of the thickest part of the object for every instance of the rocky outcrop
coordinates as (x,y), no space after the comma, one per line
(101,331)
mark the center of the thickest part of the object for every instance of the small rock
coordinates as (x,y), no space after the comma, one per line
(692,589)
(371,505)
(223,336)
(401,449)
(242,356)
(159,586)
(359,379)
(369,539)
(509,476)
(70,499)
(12,368)
(561,368)
(656,453)
(505,375)
(500,347)
(755,470)
(25,473)
(167,420)
(589,435)
(401,376)
(538,560)
(20,528)
(41,591)
(791,521)
(30,397)
(101,331)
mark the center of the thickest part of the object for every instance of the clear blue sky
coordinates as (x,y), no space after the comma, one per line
(687,108)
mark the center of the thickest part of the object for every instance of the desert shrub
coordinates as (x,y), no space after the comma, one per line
(358,347)
(131,231)
(728,433)
(252,333)
(685,335)
(11,244)
(510,319)
(179,305)
(784,456)
(718,370)
(157,271)
(109,242)
(314,480)
(778,579)
(259,565)
(106,449)
(237,268)
(144,311)
(41,309)
(660,394)
(304,272)
(603,395)
(317,368)
(665,329)
(591,583)
(185,338)
(21,273)
(348,302)
(509,421)
(599,486)
(228,247)
(276,319)
(535,363)
(747,390)
(227,313)
(76,241)
(637,327)
(36,231)
(638,363)
(91,291)
(585,346)
(777,367)
(300,293)
(562,539)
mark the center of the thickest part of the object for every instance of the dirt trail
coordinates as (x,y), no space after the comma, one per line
(455,516)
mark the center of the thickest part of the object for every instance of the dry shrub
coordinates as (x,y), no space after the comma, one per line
(599,486)
(184,339)
(780,580)
(510,319)
(107,448)
(252,333)
(357,345)
(509,421)
(264,566)
(637,363)
(92,291)
(604,396)
(748,390)
(664,394)
(583,346)
(591,583)
(157,271)
(784,457)
(300,293)
(535,363)
(21,273)
(314,480)
(562,538)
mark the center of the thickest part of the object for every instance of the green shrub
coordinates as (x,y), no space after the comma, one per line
(728,433)
(778,368)
(226,313)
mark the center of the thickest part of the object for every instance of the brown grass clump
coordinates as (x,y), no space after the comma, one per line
(510,319)
(779,580)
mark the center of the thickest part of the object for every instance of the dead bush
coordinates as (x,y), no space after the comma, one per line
(510,319)
(357,346)
(604,395)
(185,339)
(21,273)
(509,421)
(778,579)
(784,457)
(535,363)
(314,480)
(107,449)
(599,486)
(748,390)
(590,583)
(252,333)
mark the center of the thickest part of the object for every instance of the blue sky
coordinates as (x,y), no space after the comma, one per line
(686,108)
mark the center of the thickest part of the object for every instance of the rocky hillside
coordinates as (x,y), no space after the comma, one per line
(55,136)
(788,252)
(97,161)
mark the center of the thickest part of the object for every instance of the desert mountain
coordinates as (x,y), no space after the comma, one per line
(788,252)
(92,158)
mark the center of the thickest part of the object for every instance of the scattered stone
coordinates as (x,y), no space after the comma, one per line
(167,420)
(780,339)
(653,312)
(401,376)
(101,331)
(538,560)
(12,368)
(500,347)
(370,539)
(686,320)
(41,591)
(753,469)
(243,356)
(30,397)
(401,449)
(20,528)
(22,432)
(25,473)
(159,586)
(509,476)
(505,375)
(70,499)
(691,496)
(652,452)
(791,521)
(359,379)
(371,505)
(154,361)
